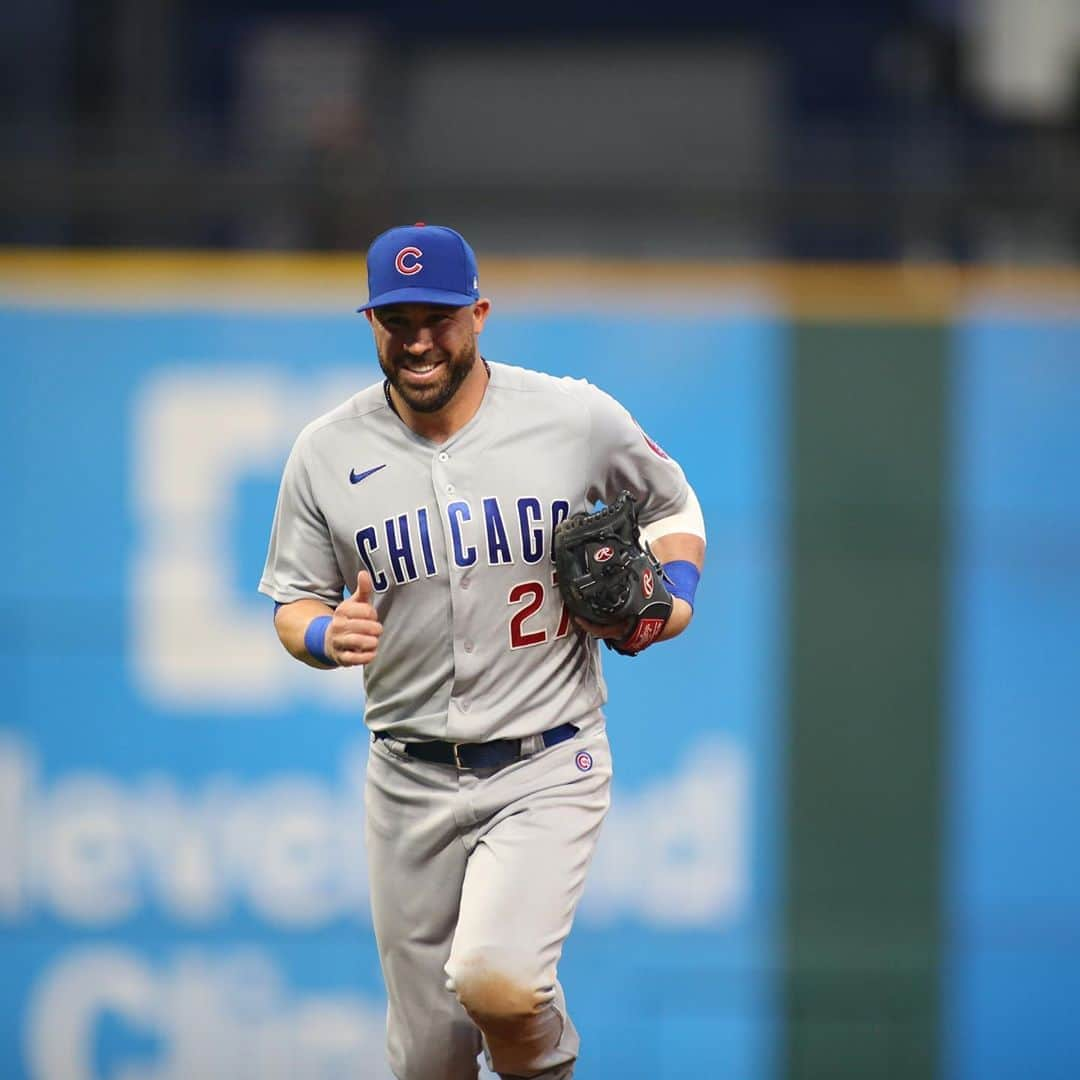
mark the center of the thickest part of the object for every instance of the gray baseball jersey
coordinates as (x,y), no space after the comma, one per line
(476,643)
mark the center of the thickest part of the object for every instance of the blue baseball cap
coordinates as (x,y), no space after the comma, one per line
(425,264)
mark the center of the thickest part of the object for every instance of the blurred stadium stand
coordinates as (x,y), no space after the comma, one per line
(911,129)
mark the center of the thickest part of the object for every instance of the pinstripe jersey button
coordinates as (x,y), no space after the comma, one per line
(444,456)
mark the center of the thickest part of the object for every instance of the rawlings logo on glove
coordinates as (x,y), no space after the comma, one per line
(607,577)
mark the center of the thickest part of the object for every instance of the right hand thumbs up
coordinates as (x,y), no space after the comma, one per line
(363,587)
(353,634)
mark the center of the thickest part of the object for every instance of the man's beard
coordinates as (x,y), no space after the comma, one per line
(430,398)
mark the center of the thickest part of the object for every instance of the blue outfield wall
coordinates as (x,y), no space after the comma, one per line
(182,882)
(1012,984)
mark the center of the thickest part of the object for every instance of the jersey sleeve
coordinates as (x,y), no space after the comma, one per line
(300,564)
(623,458)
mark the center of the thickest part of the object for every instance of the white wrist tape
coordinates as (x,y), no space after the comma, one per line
(687,520)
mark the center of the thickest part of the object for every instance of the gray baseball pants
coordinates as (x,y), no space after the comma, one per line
(474,880)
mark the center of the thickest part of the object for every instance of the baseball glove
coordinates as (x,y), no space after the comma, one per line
(607,576)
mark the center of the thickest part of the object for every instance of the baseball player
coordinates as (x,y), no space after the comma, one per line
(434,497)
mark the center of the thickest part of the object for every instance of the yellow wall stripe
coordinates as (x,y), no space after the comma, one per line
(917,292)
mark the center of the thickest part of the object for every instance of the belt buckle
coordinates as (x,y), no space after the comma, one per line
(457,757)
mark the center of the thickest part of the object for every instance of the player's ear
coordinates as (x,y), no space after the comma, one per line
(369,315)
(480,313)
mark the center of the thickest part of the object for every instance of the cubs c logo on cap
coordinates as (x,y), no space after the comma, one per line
(406,261)
(423,264)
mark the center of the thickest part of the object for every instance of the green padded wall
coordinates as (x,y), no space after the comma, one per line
(865,718)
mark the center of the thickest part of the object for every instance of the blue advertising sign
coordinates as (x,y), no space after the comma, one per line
(182,882)
(1013,966)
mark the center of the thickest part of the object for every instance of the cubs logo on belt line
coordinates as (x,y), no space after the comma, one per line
(583,760)
(413,266)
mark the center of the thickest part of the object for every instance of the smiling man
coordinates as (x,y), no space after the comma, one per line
(435,496)
(427,351)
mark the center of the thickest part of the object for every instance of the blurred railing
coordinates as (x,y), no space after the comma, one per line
(834,197)
(673,150)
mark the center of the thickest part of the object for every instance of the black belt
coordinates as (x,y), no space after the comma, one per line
(480,755)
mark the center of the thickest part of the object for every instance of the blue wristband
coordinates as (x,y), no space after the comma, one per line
(681,578)
(315,639)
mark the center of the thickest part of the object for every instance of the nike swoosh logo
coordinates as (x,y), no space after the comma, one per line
(355,477)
